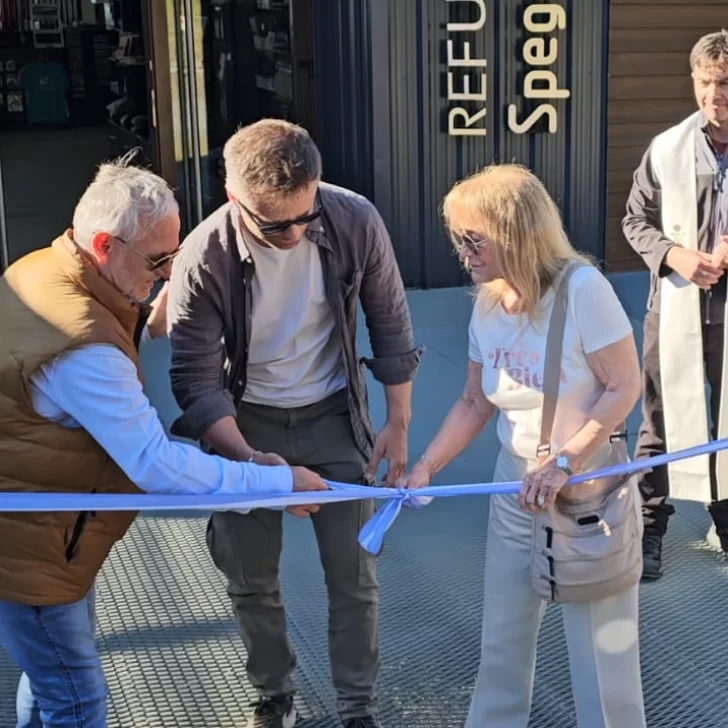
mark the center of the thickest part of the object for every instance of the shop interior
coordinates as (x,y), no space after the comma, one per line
(83,81)
(257,62)
(73,92)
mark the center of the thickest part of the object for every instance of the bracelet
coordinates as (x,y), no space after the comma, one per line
(251,459)
(428,464)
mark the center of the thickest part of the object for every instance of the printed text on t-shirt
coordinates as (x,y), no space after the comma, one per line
(524,367)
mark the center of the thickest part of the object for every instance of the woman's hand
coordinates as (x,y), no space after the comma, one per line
(541,486)
(418,477)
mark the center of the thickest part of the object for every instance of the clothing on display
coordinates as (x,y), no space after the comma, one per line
(46,86)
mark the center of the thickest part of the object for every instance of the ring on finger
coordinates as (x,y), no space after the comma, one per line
(540,500)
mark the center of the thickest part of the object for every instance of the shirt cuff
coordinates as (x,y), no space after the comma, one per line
(203,414)
(661,268)
(268,479)
(397,369)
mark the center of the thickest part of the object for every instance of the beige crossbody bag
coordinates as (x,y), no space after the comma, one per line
(588,544)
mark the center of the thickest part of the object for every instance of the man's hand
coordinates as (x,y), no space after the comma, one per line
(390,445)
(305,480)
(272,458)
(720,254)
(694,266)
(157,321)
(268,458)
(303,511)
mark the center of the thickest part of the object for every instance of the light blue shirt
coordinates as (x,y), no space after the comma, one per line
(96,387)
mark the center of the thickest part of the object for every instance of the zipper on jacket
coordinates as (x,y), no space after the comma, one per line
(78,528)
(76,535)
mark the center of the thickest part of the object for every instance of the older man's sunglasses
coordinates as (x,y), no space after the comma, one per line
(274,227)
(155,263)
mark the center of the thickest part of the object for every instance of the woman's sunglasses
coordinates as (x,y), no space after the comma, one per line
(467,243)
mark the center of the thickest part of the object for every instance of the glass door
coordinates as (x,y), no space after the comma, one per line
(4,249)
(228,65)
(74,92)
(168,66)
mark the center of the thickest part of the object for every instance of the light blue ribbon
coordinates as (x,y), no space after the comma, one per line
(372,534)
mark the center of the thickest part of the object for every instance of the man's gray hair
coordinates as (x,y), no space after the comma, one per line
(270,156)
(123,201)
(710,50)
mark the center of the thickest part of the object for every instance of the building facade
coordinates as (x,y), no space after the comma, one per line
(404,97)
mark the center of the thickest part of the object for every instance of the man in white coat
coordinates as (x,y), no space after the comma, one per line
(677,220)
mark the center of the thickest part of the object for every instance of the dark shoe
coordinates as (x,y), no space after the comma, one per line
(723,536)
(277,712)
(367,721)
(719,512)
(652,556)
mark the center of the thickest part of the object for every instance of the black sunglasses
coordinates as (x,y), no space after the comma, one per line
(156,263)
(270,227)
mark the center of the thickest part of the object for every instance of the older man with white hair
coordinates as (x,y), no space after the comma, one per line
(74,418)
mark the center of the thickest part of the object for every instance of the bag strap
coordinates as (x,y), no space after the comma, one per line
(552,363)
(552,359)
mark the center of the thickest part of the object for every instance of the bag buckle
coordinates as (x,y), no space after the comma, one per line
(543,451)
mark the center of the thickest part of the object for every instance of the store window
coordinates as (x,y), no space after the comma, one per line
(252,59)
(86,81)
(74,91)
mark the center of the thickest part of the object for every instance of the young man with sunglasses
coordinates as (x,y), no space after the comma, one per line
(262,319)
(74,418)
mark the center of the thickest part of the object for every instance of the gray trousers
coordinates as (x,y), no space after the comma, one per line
(602,636)
(247,549)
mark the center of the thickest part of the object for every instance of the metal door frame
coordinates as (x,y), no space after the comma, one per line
(4,244)
(189,87)
(171,33)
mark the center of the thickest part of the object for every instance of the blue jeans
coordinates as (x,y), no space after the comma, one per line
(62,685)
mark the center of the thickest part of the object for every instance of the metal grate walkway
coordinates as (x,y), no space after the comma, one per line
(173,659)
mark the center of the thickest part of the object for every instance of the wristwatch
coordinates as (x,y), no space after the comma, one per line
(562,463)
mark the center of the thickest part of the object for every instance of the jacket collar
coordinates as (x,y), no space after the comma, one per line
(80,268)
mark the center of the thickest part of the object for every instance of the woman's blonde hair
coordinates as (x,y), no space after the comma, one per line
(510,207)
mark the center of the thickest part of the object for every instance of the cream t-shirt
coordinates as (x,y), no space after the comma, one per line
(512,350)
(295,355)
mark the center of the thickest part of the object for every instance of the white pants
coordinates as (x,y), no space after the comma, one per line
(602,639)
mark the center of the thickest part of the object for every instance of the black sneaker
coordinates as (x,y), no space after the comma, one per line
(723,536)
(652,556)
(719,512)
(367,721)
(276,712)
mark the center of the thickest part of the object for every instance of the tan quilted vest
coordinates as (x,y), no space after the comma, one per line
(51,301)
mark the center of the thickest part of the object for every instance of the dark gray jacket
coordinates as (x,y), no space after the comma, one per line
(210,308)
(642,225)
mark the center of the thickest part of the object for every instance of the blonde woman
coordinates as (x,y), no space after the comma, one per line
(508,232)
